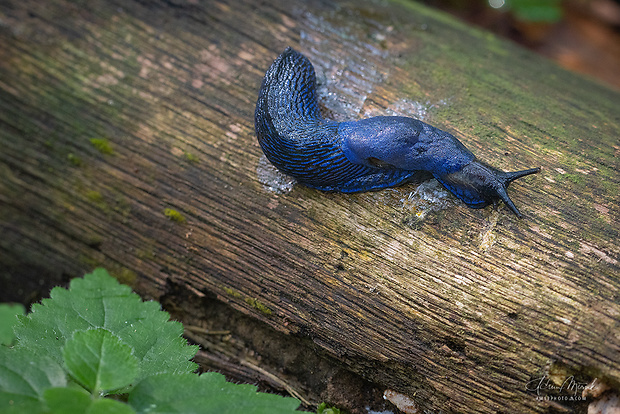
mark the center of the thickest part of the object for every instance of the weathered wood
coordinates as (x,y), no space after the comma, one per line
(112,112)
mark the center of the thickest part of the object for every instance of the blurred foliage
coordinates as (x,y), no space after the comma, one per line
(548,11)
(531,11)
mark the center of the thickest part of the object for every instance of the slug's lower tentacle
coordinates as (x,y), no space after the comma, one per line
(369,154)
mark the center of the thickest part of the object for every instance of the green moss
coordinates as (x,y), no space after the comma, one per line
(191,157)
(93,240)
(145,254)
(575,178)
(119,207)
(259,306)
(122,206)
(74,159)
(97,199)
(102,145)
(125,276)
(89,261)
(233,293)
(174,215)
(94,196)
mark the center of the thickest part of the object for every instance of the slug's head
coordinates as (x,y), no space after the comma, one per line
(478,184)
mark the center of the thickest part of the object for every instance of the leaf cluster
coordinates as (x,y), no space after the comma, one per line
(98,348)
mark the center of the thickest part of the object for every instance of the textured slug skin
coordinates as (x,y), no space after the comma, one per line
(368,154)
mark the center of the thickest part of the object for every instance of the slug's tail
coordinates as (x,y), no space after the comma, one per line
(507,178)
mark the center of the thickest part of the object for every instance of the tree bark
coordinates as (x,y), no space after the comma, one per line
(127,141)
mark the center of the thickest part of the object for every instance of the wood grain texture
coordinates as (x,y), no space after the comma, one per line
(458,308)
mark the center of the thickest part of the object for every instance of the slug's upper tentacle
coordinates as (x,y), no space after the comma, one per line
(369,154)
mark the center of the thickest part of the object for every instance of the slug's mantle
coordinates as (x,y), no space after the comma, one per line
(368,154)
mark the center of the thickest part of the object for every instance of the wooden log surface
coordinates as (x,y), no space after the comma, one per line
(127,140)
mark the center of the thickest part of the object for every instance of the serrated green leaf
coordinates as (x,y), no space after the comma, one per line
(24,377)
(156,355)
(207,393)
(79,401)
(99,361)
(99,301)
(8,319)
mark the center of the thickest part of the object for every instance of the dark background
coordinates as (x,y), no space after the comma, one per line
(580,35)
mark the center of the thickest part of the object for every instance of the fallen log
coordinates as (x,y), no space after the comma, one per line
(127,141)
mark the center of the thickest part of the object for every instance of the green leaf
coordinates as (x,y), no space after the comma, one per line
(99,301)
(8,319)
(99,361)
(67,400)
(24,377)
(110,406)
(323,408)
(207,393)
(549,11)
(79,401)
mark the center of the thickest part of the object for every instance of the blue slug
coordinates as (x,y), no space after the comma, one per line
(369,154)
